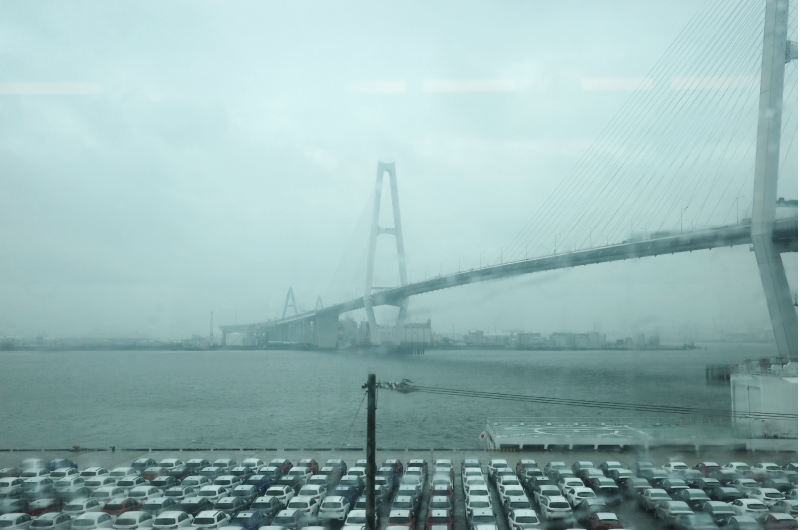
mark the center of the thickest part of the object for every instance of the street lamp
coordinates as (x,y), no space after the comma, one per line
(555,244)
(590,235)
(501,253)
(480,256)
(426,273)
(737,208)
(459,262)
(601,235)
(440,268)
(683,210)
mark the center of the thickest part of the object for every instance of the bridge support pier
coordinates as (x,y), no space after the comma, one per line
(327,330)
(765,193)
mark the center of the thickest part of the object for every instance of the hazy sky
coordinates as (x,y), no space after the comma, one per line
(164,159)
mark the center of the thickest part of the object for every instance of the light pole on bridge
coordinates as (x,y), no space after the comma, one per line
(555,245)
(683,210)
(440,268)
(737,208)
(459,262)
(501,253)
(590,235)
(480,256)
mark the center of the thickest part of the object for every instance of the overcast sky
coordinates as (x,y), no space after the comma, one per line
(161,160)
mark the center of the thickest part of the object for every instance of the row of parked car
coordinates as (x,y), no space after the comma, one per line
(171,494)
(706,496)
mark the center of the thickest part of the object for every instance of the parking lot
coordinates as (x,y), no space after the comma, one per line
(628,512)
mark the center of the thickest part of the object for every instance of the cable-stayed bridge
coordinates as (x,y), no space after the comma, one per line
(703,129)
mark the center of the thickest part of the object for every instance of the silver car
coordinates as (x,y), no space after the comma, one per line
(158,505)
(15,521)
(79,507)
(52,521)
(133,520)
(92,521)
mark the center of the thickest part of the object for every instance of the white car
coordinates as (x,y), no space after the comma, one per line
(494,465)
(213,493)
(224,463)
(555,508)
(441,479)
(130,482)
(768,496)
(254,463)
(282,493)
(523,520)
(674,467)
(133,520)
(211,520)
(744,484)
(307,505)
(786,506)
(170,520)
(473,482)
(92,521)
(475,502)
(313,490)
(144,493)
(102,481)
(180,493)
(749,507)
(52,521)
(94,472)
(737,467)
(106,493)
(568,482)
(334,507)
(228,481)
(15,521)
(544,491)
(576,494)
(32,473)
(303,473)
(357,471)
(511,491)
(79,507)
(196,481)
(64,472)
(765,469)
(68,482)
(122,472)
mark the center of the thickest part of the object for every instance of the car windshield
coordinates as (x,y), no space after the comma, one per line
(398,520)
(83,522)
(113,506)
(479,504)
(440,505)
(73,508)
(438,520)
(525,519)
(224,506)
(558,504)
(165,521)
(773,495)
(42,523)
(204,520)
(122,521)
(518,504)
(480,519)
(283,520)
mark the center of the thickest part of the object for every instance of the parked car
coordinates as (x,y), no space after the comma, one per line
(694,498)
(140,464)
(254,463)
(706,468)
(302,474)
(180,493)
(555,508)
(159,505)
(212,472)
(586,508)
(196,481)
(128,483)
(282,464)
(741,522)
(283,493)
(268,505)
(106,493)
(211,520)
(63,472)
(443,503)
(786,506)
(37,488)
(726,494)
(165,482)
(12,506)
(52,521)
(212,493)
(289,519)
(667,511)
(576,494)
(698,521)
(230,505)
(144,493)
(517,503)
(15,521)
(79,507)
(602,521)
(782,521)
(337,463)
(719,511)
(309,463)
(225,463)
(749,507)
(196,464)
(250,519)
(118,473)
(134,520)
(92,521)
(171,520)
(117,507)
(242,472)
(195,505)
(42,506)
(648,499)
(404,502)
(334,507)
(10,472)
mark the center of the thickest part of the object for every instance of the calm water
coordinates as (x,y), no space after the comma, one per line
(309,399)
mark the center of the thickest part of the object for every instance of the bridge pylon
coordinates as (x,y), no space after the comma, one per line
(397,232)
(765,193)
(287,305)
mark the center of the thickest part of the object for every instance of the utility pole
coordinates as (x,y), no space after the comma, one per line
(371,469)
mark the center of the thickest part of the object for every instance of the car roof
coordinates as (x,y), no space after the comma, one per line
(171,513)
(482,511)
(288,511)
(607,515)
(400,513)
(439,513)
(517,498)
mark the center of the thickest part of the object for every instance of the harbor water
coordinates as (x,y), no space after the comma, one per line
(309,399)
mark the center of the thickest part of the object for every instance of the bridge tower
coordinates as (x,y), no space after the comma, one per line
(287,305)
(765,194)
(397,232)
